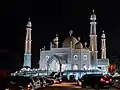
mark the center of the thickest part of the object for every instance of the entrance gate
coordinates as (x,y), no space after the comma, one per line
(55,63)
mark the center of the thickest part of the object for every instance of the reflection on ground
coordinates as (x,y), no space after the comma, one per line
(70,86)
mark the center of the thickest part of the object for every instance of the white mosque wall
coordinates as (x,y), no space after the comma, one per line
(66,67)
(44,56)
(76,59)
(103,63)
(80,58)
(60,50)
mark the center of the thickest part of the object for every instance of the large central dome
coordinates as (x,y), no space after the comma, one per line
(67,42)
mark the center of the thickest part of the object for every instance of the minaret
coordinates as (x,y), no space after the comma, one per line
(93,40)
(56,41)
(27,55)
(103,46)
(51,45)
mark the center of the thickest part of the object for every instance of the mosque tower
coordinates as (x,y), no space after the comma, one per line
(103,46)
(55,41)
(27,54)
(93,41)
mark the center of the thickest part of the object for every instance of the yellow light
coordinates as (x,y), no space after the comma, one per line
(92,45)
(28,86)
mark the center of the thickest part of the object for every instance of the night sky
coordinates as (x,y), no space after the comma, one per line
(49,17)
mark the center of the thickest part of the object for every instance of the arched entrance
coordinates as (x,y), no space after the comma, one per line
(54,66)
(55,62)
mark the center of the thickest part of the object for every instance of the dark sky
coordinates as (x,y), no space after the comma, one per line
(50,17)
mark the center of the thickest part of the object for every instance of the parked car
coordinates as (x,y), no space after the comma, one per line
(37,82)
(55,80)
(95,81)
(59,79)
(72,78)
(14,86)
(116,78)
(42,82)
(53,74)
(25,82)
(48,81)
(64,78)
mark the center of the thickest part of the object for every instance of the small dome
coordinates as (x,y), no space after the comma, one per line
(67,42)
(78,45)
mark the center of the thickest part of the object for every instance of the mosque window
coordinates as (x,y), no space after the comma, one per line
(84,67)
(84,57)
(75,57)
(75,67)
(47,57)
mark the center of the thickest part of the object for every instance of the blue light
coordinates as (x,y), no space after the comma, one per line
(77,75)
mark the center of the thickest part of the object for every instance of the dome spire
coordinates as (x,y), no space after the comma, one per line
(71,32)
(56,35)
(103,34)
(93,16)
(29,24)
(85,44)
(103,31)
(55,40)
(93,11)
(79,39)
(29,19)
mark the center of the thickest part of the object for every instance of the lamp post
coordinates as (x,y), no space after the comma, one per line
(80,58)
(60,69)
(47,68)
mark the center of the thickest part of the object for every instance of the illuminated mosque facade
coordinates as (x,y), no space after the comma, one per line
(73,55)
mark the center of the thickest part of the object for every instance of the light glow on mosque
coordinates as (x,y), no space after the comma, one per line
(73,55)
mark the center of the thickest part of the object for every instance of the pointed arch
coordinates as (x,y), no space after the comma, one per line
(61,59)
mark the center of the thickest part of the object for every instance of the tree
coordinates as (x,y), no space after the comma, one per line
(111,68)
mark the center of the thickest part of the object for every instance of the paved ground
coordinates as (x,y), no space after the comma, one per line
(71,86)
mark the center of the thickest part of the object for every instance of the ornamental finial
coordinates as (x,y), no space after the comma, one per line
(93,16)
(79,38)
(93,11)
(85,44)
(29,19)
(103,34)
(103,31)
(56,35)
(71,32)
(29,24)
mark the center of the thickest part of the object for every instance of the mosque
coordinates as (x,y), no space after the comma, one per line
(73,55)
